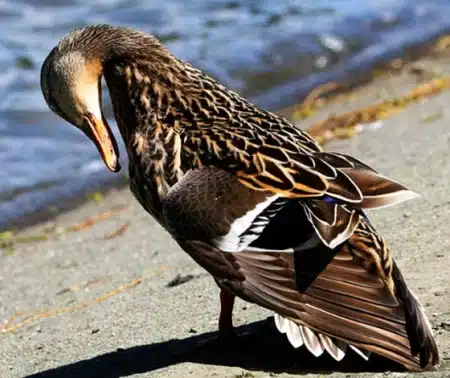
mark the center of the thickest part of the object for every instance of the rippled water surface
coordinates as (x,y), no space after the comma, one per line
(270,51)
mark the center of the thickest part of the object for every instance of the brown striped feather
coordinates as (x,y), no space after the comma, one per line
(366,316)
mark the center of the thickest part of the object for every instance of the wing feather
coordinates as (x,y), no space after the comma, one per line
(369,319)
(349,293)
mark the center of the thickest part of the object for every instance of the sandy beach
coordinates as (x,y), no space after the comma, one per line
(109,294)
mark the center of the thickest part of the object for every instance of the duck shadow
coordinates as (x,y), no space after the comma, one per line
(258,347)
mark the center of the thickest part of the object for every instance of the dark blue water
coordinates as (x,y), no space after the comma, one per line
(271,51)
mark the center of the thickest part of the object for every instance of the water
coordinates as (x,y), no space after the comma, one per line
(269,50)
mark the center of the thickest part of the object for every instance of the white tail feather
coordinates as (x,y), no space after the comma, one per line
(294,335)
(281,323)
(315,342)
(335,348)
(311,341)
(363,353)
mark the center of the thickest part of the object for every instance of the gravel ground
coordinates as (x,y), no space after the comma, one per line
(87,324)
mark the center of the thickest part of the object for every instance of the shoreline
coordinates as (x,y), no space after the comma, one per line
(69,199)
(97,296)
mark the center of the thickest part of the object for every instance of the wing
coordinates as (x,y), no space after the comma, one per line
(345,305)
(332,187)
(268,153)
(323,298)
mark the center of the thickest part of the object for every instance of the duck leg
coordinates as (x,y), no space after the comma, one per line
(226,329)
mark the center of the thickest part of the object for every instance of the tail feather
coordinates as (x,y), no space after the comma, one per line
(299,335)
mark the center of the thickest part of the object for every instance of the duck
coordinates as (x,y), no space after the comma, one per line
(251,197)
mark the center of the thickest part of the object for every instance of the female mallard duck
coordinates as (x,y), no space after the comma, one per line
(252,198)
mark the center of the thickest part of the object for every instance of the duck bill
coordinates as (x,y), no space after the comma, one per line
(100,133)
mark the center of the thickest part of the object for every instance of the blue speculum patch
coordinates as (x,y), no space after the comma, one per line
(329,199)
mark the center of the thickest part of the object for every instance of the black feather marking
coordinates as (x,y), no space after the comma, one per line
(286,229)
(310,263)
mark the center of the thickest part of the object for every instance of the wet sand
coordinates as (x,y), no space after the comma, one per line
(87,324)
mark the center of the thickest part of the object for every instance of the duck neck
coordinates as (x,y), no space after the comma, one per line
(143,108)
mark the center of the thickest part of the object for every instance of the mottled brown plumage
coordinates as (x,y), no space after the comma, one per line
(249,196)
